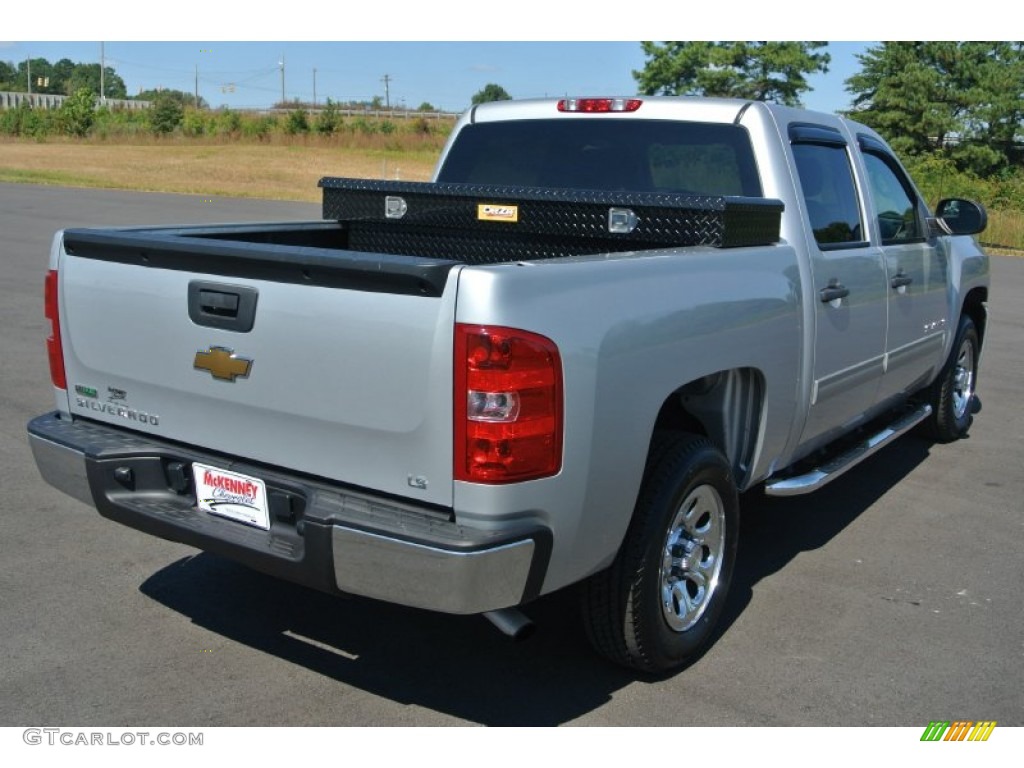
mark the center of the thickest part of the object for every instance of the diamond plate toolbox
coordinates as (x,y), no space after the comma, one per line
(491,224)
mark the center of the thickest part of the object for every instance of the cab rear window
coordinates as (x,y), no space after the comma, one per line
(606,155)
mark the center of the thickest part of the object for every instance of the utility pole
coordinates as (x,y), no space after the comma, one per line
(387,92)
(314,87)
(103,66)
(197,86)
(282,79)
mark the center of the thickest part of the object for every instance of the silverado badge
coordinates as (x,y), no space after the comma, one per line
(222,363)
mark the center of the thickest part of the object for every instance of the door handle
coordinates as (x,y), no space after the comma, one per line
(901,280)
(834,292)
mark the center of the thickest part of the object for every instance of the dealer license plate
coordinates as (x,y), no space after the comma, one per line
(231,495)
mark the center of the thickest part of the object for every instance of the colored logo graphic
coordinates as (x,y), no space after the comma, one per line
(222,363)
(958,730)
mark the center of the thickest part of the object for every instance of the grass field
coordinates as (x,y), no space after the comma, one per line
(276,171)
(1005,231)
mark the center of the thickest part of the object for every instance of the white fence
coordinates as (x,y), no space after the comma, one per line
(13,100)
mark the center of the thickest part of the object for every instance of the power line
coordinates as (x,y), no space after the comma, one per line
(213,72)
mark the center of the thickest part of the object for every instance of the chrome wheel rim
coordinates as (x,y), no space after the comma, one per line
(963,380)
(692,558)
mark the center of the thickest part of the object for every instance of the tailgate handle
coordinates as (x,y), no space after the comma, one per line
(220,305)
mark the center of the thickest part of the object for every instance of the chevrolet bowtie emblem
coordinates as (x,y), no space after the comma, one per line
(222,363)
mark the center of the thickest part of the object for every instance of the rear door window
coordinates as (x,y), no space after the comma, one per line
(830,194)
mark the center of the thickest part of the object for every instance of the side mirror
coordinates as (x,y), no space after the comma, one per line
(955,216)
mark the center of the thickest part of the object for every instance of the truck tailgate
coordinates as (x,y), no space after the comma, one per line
(343,383)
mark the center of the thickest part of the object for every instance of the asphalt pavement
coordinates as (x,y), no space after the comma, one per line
(891,597)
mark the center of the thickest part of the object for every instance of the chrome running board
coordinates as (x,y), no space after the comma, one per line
(833,468)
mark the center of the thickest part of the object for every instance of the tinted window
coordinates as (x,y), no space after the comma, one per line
(895,204)
(606,154)
(829,193)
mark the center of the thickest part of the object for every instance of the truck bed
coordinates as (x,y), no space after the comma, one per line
(439,226)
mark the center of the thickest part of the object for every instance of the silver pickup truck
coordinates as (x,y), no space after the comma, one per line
(561,361)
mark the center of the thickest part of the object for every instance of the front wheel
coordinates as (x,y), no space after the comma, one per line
(658,603)
(952,395)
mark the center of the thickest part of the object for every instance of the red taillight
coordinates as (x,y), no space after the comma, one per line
(53,347)
(599,105)
(508,405)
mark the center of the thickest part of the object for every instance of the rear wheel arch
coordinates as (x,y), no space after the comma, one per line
(725,407)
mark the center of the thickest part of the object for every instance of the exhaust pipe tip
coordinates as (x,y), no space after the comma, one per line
(511,622)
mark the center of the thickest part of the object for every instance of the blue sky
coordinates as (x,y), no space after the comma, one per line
(399,38)
(445,74)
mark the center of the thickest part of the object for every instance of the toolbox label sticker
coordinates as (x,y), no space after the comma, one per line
(495,212)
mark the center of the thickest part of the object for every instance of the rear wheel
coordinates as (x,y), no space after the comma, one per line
(952,395)
(658,603)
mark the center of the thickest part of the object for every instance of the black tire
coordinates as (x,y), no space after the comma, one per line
(648,611)
(952,395)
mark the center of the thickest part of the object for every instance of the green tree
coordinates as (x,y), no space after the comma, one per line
(426,106)
(8,77)
(296,122)
(62,72)
(293,104)
(490,92)
(195,122)
(328,121)
(183,98)
(65,77)
(165,114)
(966,99)
(229,121)
(764,71)
(259,127)
(78,112)
(88,76)
(23,120)
(41,75)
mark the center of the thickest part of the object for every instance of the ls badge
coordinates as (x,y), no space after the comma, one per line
(223,364)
